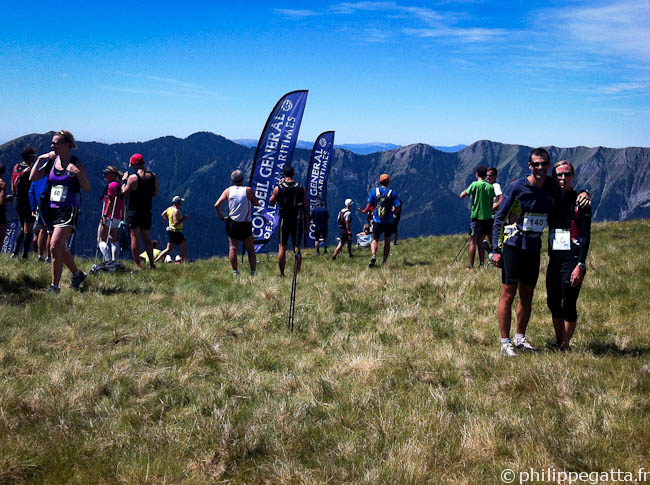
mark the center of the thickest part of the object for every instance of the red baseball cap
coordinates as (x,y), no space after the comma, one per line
(136,159)
(384,177)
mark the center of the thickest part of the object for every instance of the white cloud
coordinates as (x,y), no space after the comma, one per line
(295,13)
(464,35)
(617,28)
(625,88)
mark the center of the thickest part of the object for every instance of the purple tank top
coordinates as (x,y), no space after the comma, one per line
(63,189)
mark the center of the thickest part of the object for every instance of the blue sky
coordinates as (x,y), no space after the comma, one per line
(442,73)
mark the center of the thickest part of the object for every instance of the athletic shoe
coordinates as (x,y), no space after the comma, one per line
(41,259)
(77,279)
(507,350)
(253,272)
(373,263)
(523,345)
(235,272)
(53,289)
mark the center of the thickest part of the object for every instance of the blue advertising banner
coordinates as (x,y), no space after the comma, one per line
(322,156)
(274,151)
(10,236)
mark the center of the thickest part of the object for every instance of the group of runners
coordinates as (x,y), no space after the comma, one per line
(46,191)
(46,196)
(515,221)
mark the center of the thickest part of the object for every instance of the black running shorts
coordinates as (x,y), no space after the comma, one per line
(379,228)
(175,237)
(519,265)
(290,228)
(25,214)
(65,217)
(345,236)
(479,228)
(141,219)
(239,230)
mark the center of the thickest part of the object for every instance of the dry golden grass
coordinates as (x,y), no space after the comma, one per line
(188,375)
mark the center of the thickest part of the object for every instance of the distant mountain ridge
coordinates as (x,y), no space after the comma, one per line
(358,148)
(427,180)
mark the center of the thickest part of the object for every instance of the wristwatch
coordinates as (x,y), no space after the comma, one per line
(582,266)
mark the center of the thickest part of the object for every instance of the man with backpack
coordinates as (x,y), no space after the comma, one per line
(140,188)
(294,218)
(386,204)
(344,221)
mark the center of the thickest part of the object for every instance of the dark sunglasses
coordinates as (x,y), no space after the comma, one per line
(564,175)
(539,164)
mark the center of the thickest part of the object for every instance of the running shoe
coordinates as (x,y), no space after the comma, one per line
(253,272)
(235,272)
(373,263)
(523,346)
(78,278)
(507,350)
(53,289)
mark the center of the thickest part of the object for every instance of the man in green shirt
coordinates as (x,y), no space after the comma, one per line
(481,225)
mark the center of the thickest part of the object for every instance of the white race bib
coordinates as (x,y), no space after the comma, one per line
(534,222)
(560,239)
(58,193)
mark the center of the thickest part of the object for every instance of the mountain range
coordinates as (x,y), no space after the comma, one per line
(358,148)
(426,179)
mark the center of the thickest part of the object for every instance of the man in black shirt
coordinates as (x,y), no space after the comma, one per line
(294,219)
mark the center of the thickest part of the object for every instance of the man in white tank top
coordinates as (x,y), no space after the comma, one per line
(241,201)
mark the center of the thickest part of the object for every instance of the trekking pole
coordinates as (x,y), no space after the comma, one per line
(292,304)
(110,226)
(462,250)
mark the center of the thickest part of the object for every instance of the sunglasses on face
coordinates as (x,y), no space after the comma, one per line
(564,175)
(539,164)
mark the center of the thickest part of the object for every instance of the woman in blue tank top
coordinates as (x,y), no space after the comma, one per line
(66,176)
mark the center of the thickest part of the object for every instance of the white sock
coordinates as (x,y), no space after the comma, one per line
(505,341)
(116,252)
(519,337)
(103,248)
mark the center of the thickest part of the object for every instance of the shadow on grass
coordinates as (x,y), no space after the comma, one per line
(602,348)
(20,290)
(405,262)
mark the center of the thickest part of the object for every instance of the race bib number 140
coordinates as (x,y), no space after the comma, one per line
(534,222)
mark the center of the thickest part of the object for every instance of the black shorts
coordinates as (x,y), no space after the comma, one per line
(345,236)
(379,228)
(141,219)
(320,232)
(291,227)
(25,214)
(479,228)
(561,297)
(519,265)
(64,217)
(175,237)
(239,230)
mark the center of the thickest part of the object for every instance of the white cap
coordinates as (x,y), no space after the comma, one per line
(348,202)
(177,198)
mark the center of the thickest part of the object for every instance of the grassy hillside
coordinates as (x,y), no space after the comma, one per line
(187,374)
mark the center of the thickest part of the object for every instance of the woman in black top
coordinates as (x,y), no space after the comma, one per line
(569,237)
